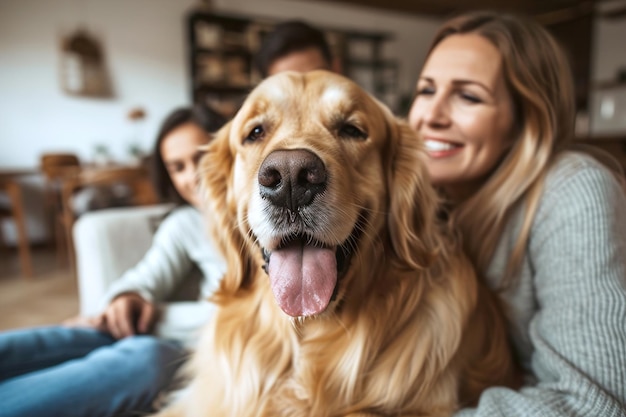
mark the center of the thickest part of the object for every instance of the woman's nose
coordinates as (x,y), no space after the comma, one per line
(437,112)
(191,174)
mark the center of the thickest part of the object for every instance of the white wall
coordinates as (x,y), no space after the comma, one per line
(144,47)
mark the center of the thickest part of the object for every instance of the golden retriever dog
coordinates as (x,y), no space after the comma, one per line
(344,295)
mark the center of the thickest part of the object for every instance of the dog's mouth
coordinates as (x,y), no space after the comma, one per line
(305,273)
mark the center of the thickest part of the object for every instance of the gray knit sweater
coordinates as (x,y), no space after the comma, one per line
(568,312)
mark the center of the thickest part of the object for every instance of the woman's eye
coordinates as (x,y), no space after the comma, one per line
(425,91)
(255,134)
(173,168)
(471,98)
(348,130)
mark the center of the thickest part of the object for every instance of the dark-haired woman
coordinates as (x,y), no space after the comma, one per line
(114,365)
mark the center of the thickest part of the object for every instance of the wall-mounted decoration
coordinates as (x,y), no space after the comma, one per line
(83,69)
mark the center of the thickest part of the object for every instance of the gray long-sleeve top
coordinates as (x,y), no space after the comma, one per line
(567,314)
(180,243)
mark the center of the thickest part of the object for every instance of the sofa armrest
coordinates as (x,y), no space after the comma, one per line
(109,242)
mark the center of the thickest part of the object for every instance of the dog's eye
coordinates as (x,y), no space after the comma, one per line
(348,130)
(255,134)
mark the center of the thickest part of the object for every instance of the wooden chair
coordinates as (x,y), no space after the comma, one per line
(16,212)
(135,178)
(56,167)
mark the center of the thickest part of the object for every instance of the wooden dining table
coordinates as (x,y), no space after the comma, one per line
(70,179)
(16,172)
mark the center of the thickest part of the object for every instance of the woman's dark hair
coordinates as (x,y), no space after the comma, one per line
(287,37)
(202,116)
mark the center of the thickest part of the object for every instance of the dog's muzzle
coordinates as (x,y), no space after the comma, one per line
(302,271)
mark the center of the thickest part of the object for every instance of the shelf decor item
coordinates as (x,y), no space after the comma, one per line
(136,154)
(101,155)
(136,116)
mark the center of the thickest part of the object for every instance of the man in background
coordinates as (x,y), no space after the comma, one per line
(297,46)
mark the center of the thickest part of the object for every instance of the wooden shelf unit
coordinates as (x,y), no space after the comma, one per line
(221,50)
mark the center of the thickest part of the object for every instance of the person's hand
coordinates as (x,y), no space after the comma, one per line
(93,322)
(129,314)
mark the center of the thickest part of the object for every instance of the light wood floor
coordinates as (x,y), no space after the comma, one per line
(47,298)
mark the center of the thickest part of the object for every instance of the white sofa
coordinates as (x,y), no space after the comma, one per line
(107,243)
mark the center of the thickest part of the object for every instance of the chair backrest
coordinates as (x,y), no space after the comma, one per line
(54,165)
(135,179)
(56,168)
(101,179)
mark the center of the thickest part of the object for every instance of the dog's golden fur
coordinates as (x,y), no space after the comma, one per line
(409,330)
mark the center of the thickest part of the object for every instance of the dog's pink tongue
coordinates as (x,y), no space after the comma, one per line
(303,278)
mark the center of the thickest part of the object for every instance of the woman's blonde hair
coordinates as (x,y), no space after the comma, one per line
(539,80)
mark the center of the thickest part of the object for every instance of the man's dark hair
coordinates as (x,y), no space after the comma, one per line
(287,37)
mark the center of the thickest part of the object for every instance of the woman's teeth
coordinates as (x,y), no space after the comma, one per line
(435,145)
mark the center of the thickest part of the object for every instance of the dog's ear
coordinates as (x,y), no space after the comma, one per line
(413,201)
(216,173)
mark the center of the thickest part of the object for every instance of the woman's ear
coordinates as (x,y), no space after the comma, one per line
(412,199)
(216,176)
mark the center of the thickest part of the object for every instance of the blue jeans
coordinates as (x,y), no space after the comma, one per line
(66,372)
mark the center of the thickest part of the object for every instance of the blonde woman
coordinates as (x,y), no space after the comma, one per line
(542,223)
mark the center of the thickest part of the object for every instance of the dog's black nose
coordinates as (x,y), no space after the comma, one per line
(291,178)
